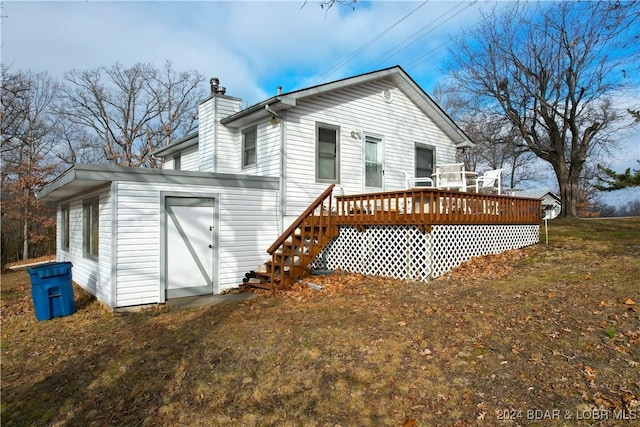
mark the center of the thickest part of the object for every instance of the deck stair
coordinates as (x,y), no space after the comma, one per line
(299,245)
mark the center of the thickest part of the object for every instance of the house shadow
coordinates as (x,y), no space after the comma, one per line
(125,374)
(83,299)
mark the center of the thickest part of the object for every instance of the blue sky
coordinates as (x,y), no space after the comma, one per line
(252,47)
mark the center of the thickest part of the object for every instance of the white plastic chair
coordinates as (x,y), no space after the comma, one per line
(417,182)
(490,182)
(451,177)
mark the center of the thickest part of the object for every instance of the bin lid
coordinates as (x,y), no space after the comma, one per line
(51,269)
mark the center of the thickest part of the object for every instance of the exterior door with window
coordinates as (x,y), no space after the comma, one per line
(424,162)
(373,164)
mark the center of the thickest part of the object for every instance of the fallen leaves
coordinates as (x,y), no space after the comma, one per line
(493,266)
(364,349)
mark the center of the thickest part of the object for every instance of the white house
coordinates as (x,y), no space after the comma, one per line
(365,134)
(225,193)
(551,203)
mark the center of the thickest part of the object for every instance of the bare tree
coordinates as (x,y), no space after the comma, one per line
(498,144)
(131,111)
(553,69)
(27,140)
(328,4)
(77,144)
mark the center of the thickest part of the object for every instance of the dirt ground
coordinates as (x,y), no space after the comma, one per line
(546,335)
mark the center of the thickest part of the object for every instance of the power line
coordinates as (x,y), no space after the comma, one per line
(422,58)
(369,43)
(417,35)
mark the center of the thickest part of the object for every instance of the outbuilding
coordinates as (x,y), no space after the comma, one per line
(139,236)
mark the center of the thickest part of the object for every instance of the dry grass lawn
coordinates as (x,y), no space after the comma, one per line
(545,332)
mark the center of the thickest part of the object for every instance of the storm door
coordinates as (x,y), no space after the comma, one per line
(373,164)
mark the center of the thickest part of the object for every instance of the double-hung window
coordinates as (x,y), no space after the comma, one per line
(64,227)
(249,153)
(91,229)
(425,156)
(327,149)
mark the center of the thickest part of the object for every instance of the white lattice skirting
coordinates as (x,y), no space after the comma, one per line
(405,252)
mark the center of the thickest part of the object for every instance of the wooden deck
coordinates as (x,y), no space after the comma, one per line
(426,207)
(301,243)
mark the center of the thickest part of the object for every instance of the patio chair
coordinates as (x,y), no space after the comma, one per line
(490,182)
(451,177)
(417,182)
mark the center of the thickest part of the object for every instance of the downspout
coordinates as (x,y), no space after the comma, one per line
(113,280)
(270,111)
(283,175)
(282,165)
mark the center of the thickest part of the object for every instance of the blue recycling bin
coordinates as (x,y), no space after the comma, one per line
(52,290)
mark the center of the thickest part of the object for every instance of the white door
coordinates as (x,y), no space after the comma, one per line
(373,164)
(190,246)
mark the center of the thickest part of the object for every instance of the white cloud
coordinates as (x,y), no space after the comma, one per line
(251,46)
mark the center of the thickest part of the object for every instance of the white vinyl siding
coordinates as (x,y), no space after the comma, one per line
(228,151)
(93,274)
(138,244)
(217,144)
(189,159)
(207,134)
(248,225)
(267,151)
(269,144)
(357,110)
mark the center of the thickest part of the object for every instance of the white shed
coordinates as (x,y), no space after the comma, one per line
(551,203)
(139,236)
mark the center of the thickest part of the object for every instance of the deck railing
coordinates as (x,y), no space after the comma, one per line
(429,206)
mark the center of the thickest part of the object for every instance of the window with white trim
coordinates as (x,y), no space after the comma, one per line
(91,227)
(327,153)
(249,143)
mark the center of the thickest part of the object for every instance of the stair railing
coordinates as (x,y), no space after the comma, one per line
(290,231)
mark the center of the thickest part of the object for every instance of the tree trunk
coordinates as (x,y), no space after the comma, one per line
(569,191)
(25,240)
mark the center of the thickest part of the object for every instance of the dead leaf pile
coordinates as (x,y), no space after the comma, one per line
(492,266)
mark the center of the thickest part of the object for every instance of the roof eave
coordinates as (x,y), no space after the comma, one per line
(396,73)
(182,143)
(81,179)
